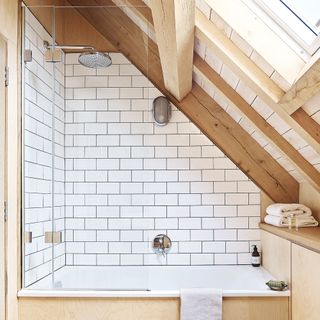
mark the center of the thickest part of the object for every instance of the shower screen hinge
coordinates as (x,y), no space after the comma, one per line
(6,76)
(28,237)
(27,55)
(53,237)
(53,55)
(5,211)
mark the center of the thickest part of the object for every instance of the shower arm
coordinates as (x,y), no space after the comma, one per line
(67,47)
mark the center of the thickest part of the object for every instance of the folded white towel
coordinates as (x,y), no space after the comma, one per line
(287,209)
(201,304)
(302,221)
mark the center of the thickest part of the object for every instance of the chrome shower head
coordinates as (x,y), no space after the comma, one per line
(94,59)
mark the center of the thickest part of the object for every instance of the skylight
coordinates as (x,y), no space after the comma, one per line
(307,10)
(298,18)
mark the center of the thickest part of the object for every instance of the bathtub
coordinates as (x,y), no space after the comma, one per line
(149,293)
(152,281)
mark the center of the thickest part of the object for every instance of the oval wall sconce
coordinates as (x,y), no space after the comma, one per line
(161,110)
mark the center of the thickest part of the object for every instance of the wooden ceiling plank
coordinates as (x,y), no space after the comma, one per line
(258,122)
(174,27)
(200,108)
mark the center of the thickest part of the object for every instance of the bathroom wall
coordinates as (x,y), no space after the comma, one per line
(38,151)
(128,179)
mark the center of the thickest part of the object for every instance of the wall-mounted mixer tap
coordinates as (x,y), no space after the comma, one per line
(161,244)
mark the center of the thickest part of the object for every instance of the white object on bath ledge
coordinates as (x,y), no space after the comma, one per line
(162,281)
(201,304)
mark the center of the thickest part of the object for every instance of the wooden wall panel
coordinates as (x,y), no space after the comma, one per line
(254,308)
(264,203)
(9,29)
(305,284)
(311,198)
(3,186)
(276,256)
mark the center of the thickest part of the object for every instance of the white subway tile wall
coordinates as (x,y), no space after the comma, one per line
(119,179)
(41,109)
(128,179)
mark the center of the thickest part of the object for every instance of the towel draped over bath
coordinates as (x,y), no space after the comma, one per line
(201,304)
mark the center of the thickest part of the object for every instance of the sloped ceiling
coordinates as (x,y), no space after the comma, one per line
(248,148)
(298,131)
(235,142)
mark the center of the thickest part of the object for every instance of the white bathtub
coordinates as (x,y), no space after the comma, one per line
(143,281)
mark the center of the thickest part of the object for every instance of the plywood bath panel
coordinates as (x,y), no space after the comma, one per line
(98,309)
(245,308)
(255,308)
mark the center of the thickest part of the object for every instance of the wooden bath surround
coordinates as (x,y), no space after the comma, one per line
(242,308)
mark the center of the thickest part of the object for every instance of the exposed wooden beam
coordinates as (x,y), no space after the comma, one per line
(283,146)
(307,122)
(174,26)
(247,70)
(243,19)
(303,89)
(228,135)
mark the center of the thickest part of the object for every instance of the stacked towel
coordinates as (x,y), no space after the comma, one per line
(284,222)
(201,304)
(287,209)
(278,215)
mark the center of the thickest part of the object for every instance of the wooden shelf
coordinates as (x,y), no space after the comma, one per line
(306,237)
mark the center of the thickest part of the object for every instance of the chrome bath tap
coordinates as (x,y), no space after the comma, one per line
(161,244)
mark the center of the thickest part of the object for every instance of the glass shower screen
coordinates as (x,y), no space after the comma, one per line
(85,109)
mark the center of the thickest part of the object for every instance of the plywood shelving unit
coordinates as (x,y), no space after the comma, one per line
(305,237)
